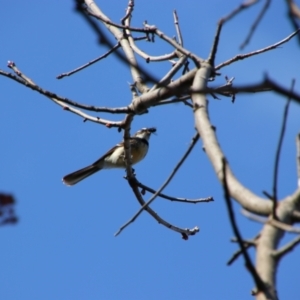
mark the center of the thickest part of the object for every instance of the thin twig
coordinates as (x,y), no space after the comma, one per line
(267,195)
(298,157)
(150,29)
(129,10)
(213,52)
(277,156)
(177,27)
(255,24)
(273,222)
(146,205)
(197,60)
(103,39)
(176,100)
(167,78)
(111,23)
(137,50)
(243,56)
(286,248)
(116,110)
(237,254)
(266,85)
(29,83)
(175,199)
(115,47)
(247,243)
(241,7)
(259,283)
(294,14)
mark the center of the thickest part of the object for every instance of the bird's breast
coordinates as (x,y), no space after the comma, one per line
(117,158)
(138,152)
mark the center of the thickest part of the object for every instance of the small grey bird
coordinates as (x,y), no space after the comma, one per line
(114,158)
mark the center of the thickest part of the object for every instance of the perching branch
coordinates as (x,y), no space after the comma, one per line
(146,205)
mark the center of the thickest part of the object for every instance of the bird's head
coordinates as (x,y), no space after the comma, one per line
(145,133)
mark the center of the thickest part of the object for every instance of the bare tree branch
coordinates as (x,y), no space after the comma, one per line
(129,10)
(273,222)
(266,264)
(175,199)
(129,55)
(176,100)
(176,22)
(277,156)
(115,47)
(197,60)
(146,205)
(213,52)
(278,254)
(268,48)
(58,100)
(265,85)
(255,24)
(167,78)
(241,7)
(259,283)
(245,197)
(147,29)
(294,14)
(298,158)
(137,50)
(247,244)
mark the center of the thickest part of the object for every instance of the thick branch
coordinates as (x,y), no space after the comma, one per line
(266,263)
(214,152)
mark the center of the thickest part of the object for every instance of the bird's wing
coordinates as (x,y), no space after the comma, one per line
(108,153)
(133,142)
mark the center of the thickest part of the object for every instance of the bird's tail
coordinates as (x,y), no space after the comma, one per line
(79,175)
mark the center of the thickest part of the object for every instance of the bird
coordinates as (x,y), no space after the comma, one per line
(115,157)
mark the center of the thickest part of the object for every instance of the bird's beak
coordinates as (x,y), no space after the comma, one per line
(151,130)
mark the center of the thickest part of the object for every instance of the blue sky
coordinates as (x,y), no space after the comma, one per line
(64,246)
